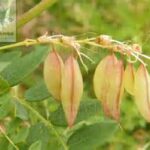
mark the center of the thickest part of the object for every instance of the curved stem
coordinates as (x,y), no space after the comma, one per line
(47,123)
(34,12)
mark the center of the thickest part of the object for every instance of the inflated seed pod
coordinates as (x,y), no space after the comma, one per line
(129,77)
(142,92)
(53,67)
(72,89)
(108,85)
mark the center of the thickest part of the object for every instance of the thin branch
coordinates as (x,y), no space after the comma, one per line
(42,119)
(62,40)
(8,138)
(27,42)
(34,12)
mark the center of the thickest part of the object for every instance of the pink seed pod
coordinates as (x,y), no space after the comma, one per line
(108,85)
(72,89)
(53,67)
(142,92)
(129,77)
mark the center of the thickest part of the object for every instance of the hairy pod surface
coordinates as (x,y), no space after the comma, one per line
(108,85)
(72,89)
(142,92)
(129,77)
(53,67)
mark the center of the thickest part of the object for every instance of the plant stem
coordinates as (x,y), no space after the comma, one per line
(7,137)
(75,44)
(47,123)
(34,12)
(27,42)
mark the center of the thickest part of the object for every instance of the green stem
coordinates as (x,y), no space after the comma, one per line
(27,42)
(47,123)
(34,12)
(7,137)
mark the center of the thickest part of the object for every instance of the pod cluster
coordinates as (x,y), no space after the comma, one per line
(64,82)
(110,80)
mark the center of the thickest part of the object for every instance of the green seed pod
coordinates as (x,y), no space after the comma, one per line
(72,89)
(129,77)
(53,67)
(108,85)
(142,92)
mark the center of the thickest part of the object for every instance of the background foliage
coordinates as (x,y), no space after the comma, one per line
(126,20)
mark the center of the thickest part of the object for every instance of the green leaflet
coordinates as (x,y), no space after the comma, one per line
(7,58)
(15,72)
(21,135)
(4,86)
(37,93)
(6,105)
(91,136)
(36,146)
(39,132)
